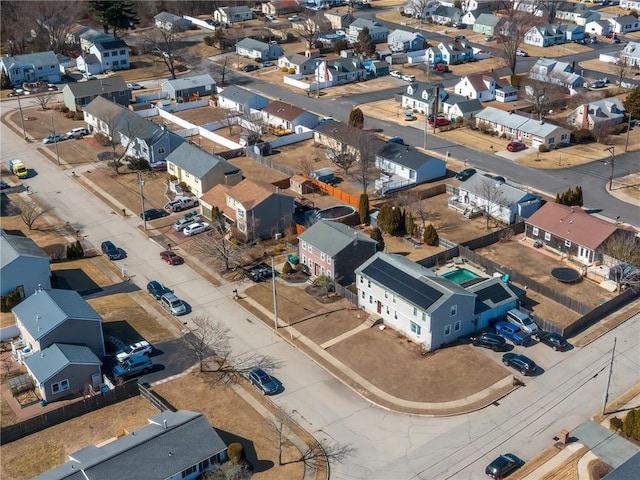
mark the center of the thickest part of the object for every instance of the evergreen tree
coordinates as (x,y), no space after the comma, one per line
(356,118)
(364,45)
(409,224)
(396,225)
(384,217)
(286,268)
(376,234)
(114,15)
(430,236)
(363,207)
(5,82)
(579,200)
(632,104)
(558,199)
(629,423)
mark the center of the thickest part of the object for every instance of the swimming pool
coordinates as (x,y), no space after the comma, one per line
(460,276)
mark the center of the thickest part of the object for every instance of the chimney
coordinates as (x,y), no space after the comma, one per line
(585,116)
(164,422)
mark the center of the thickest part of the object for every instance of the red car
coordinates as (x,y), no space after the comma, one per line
(516,146)
(439,122)
(171,258)
(611,35)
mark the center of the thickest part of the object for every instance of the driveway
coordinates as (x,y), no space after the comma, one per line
(608,446)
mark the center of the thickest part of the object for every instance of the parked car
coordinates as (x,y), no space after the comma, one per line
(196,228)
(503,466)
(516,146)
(153,214)
(466,174)
(439,122)
(397,140)
(267,64)
(521,53)
(522,321)
(134,86)
(259,272)
(110,251)
(497,178)
(523,364)
(395,73)
(132,367)
(441,67)
(156,289)
(58,137)
(134,350)
(554,340)
(173,304)
(598,84)
(459,26)
(409,78)
(263,381)
(3,185)
(295,18)
(489,340)
(490,38)
(185,222)
(77,132)
(512,333)
(271,18)
(250,68)
(171,258)
(459,38)
(610,35)
(181,203)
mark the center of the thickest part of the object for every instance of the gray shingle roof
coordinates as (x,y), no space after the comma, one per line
(89,59)
(110,44)
(97,86)
(36,59)
(154,451)
(191,82)
(167,17)
(239,95)
(253,44)
(53,359)
(406,155)
(488,20)
(15,246)
(478,185)
(332,237)
(197,161)
(43,312)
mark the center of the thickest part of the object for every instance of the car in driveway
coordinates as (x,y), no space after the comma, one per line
(259,272)
(110,251)
(466,174)
(184,223)
(409,78)
(132,367)
(295,18)
(396,73)
(488,340)
(171,258)
(263,381)
(523,364)
(58,137)
(522,321)
(398,140)
(516,146)
(598,84)
(554,340)
(521,53)
(267,64)
(134,350)
(439,122)
(156,289)
(271,18)
(250,68)
(503,466)
(77,132)
(173,304)
(153,214)
(134,86)
(196,228)
(512,333)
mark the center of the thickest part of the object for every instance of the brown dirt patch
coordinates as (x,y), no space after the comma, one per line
(39,452)
(598,469)
(38,123)
(568,468)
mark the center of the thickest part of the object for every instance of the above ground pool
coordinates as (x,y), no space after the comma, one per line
(340,213)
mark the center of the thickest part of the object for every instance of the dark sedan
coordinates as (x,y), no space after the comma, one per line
(523,364)
(489,340)
(554,340)
(466,174)
(156,289)
(250,68)
(263,381)
(503,466)
(153,213)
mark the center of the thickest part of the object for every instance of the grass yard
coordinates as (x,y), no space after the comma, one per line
(103,273)
(37,453)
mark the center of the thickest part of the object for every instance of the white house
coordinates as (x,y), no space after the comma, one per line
(544,36)
(287,116)
(479,86)
(405,41)
(571,11)
(625,24)
(24,266)
(339,71)
(631,54)
(571,32)
(31,67)
(445,15)
(237,14)
(377,32)
(251,48)
(302,64)
(454,106)
(602,113)
(630,4)
(171,23)
(403,166)
(420,96)
(598,27)
(559,73)
(241,100)
(420,9)
(110,55)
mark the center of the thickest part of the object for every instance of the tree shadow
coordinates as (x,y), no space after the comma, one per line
(249,450)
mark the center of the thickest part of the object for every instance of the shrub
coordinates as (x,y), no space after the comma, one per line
(543,148)
(10,300)
(235,452)
(459,120)
(284,69)
(582,135)
(137,163)
(102,139)
(292,70)
(70,115)
(75,251)
(208,40)
(430,236)
(617,129)
(279,248)
(183,186)
(172,178)
(64,109)
(78,116)
(615,424)
(628,425)
(55,251)
(286,268)
(376,234)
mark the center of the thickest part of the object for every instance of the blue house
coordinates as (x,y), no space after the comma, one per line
(404,41)
(377,68)
(32,67)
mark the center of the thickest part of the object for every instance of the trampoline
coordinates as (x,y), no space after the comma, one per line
(566,275)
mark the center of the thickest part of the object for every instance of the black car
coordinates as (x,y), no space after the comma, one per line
(523,364)
(397,140)
(466,174)
(153,213)
(156,289)
(250,68)
(259,272)
(110,251)
(489,340)
(554,340)
(503,466)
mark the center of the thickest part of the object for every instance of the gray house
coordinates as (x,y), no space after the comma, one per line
(31,67)
(23,265)
(171,23)
(201,170)
(141,137)
(405,41)
(494,298)
(178,444)
(78,95)
(185,88)
(251,48)
(410,298)
(302,64)
(377,31)
(236,98)
(59,316)
(403,166)
(62,371)
(335,250)
(488,24)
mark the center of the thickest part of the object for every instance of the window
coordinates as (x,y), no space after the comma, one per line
(415,328)
(424,316)
(386,294)
(123,52)
(368,283)
(160,151)
(457,325)
(329,260)
(304,259)
(203,465)
(304,245)
(415,312)
(60,386)
(547,236)
(322,256)
(387,309)
(567,243)
(394,299)
(453,311)
(534,231)
(39,68)
(361,279)
(189,471)
(370,299)
(362,294)
(447,330)
(105,54)
(395,314)
(310,249)
(187,174)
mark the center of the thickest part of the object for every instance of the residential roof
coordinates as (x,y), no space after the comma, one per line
(89,59)
(351,64)
(97,85)
(479,81)
(238,95)
(333,237)
(45,310)
(110,44)
(469,106)
(236,10)
(336,130)
(16,246)
(36,59)
(406,155)
(547,69)
(488,20)
(92,35)
(480,185)
(285,111)
(624,20)
(515,121)
(166,17)
(573,224)
(493,292)
(186,83)
(403,36)
(253,44)
(171,443)
(52,360)
(418,89)
(250,193)
(217,197)
(299,59)
(199,162)
(601,110)
(446,12)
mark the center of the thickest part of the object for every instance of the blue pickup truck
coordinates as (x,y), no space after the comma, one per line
(512,333)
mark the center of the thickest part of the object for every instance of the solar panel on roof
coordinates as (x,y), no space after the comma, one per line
(496,293)
(408,287)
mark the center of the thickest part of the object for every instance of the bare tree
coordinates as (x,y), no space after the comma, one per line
(340,152)
(216,245)
(253,126)
(516,25)
(365,170)
(417,206)
(622,256)
(621,69)
(30,212)
(309,28)
(491,199)
(230,119)
(224,64)
(208,338)
(53,21)
(548,8)
(162,42)
(15,32)
(123,131)
(543,95)
(419,7)
(43,100)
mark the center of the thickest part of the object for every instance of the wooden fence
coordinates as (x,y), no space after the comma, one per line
(335,192)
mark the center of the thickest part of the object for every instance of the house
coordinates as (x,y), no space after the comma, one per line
(58,316)
(201,170)
(179,444)
(339,71)
(24,266)
(507,93)
(470,17)
(479,86)
(631,54)
(405,41)
(302,64)
(602,113)
(335,135)
(287,116)
(314,23)
(420,9)
(558,73)
(598,27)
(89,63)
(256,209)
(403,166)
(524,129)
(488,24)
(630,4)
(231,15)
(376,68)
(111,54)
(572,32)
(141,137)
(499,200)
(335,250)
(339,20)
(251,48)
(241,100)
(571,231)
(544,36)
(190,87)
(377,32)
(171,23)
(78,95)
(454,106)
(89,36)
(31,67)
(410,298)
(625,24)
(452,53)
(420,96)
(60,371)
(571,11)
(446,15)
(280,8)
(494,298)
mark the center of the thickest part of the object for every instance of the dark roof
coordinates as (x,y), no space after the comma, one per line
(110,44)
(53,359)
(97,86)
(405,155)
(493,292)
(337,130)
(285,111)
(238,95)
(627,471)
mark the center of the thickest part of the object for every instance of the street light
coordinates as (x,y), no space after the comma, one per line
(612,151)
(141,182)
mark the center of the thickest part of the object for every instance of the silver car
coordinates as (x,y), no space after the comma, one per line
(184,223)
(173,304)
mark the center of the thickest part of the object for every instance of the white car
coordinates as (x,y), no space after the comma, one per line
(134,86)
(522,53)
(409,78)
(295,18)
(134,350)
(271,18)
(196,228)
(396,73)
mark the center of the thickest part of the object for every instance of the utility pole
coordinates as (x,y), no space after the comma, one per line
(626,144)
(55,141)
(606,393)
(275,299)
(24,133)
(426,125)
(612,151)
(141,183)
